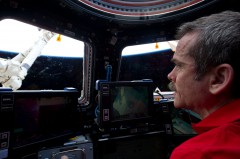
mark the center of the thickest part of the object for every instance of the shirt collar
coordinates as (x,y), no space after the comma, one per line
(226,114)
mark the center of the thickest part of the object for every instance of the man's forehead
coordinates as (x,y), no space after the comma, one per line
(186,42)
(182,57)
(180,53)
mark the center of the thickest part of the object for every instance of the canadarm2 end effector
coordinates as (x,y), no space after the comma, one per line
(11,74)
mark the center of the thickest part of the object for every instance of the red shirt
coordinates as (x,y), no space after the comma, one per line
(218,136)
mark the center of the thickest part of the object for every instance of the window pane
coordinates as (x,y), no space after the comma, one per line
(154,64)
(59,64)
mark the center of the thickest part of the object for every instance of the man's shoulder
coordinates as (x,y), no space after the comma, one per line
(218,134)
(223,140)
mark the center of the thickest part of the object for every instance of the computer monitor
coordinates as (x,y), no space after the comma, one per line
(124,103)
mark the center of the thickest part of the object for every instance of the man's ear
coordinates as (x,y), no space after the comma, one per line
(221,78)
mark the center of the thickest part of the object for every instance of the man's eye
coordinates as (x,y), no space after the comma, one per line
(178,66)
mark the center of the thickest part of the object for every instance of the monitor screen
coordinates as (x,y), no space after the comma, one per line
(129,102)
(41,116)
(124,102)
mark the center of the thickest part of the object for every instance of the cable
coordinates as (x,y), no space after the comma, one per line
(109,72)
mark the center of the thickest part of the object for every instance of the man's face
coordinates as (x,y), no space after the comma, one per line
(189,92)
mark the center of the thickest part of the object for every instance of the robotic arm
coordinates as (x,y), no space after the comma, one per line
(14,71)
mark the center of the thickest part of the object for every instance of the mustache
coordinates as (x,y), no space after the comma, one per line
(171,86)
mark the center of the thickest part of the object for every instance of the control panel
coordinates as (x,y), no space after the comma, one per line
(70,150)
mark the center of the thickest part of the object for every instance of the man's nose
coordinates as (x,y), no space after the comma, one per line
(170,75)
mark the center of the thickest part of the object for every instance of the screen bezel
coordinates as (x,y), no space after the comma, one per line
(105,118)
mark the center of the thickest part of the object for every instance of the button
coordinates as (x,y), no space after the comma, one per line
(4,135)
(3,144)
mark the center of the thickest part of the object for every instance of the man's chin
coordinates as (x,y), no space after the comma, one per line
(177,103)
